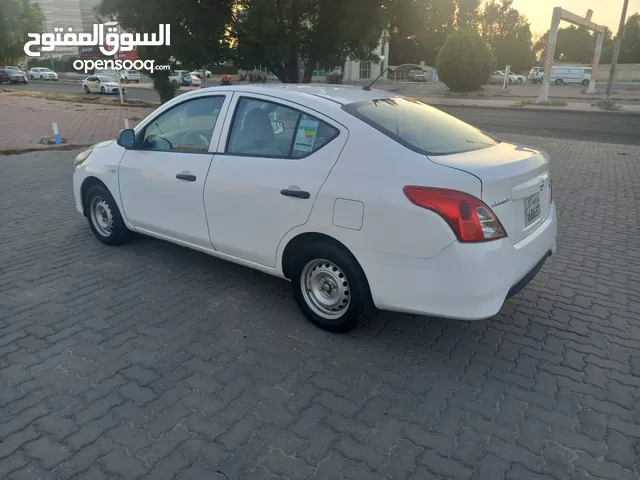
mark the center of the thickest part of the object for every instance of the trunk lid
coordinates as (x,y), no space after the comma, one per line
(515,184)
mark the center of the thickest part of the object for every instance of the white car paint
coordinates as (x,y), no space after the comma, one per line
(100,84)
(412,259)
(42,73)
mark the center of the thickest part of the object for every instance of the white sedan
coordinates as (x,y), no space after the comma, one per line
(195,81)
(519,79)
(362,199)
(101,84)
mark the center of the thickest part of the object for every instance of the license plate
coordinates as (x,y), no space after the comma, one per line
(531,209)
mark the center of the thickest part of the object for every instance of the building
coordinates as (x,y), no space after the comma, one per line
(77,14)
(357,71)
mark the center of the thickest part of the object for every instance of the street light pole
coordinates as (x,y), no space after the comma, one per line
(616,53)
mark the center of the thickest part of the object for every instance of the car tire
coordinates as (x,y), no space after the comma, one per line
(520,81)
(585,83)
(102,90)
(323,264)
(559,81)
(86,89)
(104,217)
(137,81)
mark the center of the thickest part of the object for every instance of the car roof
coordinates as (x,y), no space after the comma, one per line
(338,94)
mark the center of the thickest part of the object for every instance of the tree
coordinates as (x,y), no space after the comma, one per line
(17,19)
(278,34)
(465,61)
(199,32)
(630,45)
(418,30)
(508,33)
(574,45)
(467,12)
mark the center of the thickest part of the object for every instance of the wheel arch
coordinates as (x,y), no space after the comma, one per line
(87,183)
(306,238)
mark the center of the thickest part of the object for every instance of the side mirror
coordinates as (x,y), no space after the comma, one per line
(278,127)
(127,138)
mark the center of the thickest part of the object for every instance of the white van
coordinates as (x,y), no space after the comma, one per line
(563,74)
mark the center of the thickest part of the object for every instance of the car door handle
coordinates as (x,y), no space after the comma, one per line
(186,176)
(295,193)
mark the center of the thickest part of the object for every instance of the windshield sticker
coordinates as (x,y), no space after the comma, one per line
(306,135)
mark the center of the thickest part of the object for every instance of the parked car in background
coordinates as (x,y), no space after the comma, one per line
(498,77)
(101,84)
(128,76)
(417,76)
(42,73)
(195,81)
(4,76)
(563,74)
(536,74)
(180,77)
(519,78)
(568,74)
(13,75)
(198,73)
(448,222)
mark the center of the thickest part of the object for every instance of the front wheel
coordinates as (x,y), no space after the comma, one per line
(520,81)
(102,90)
(104,217)
(330,288)
(86,89)
(559,81)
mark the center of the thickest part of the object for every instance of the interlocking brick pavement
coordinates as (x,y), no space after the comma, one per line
(152,361)
(25,120)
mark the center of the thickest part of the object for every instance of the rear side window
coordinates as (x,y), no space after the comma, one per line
(420,127)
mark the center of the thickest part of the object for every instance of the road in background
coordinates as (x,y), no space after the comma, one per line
(610,127)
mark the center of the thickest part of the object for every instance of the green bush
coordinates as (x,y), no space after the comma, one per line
(465,62)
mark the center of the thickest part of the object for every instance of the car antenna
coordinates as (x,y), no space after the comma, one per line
(368,87)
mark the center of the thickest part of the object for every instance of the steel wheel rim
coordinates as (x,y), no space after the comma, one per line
(325,289)
(101,216)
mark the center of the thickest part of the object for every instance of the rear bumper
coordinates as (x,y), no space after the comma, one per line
(526,280)
(463,281)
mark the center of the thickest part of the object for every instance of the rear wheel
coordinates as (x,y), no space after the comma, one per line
(559,81)
(585,82)
(520,80)
(104,217)
(330,287)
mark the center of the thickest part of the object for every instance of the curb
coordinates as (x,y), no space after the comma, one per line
(538,109)
(462,95)
(45,148)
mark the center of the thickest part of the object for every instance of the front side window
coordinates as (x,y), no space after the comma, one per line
(268,129)
(187,127)
(419,127)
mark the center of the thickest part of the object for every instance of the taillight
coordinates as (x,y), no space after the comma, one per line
(469,217)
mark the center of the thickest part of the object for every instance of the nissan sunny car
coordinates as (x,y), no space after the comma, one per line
(362,199)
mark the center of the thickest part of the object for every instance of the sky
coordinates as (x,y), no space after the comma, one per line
(605,12)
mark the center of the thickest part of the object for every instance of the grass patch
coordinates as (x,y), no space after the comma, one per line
(85,98)
(532,103)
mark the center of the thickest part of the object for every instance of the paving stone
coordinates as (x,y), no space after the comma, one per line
(153,361)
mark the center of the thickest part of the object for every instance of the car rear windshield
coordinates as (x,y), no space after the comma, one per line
(419,127)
